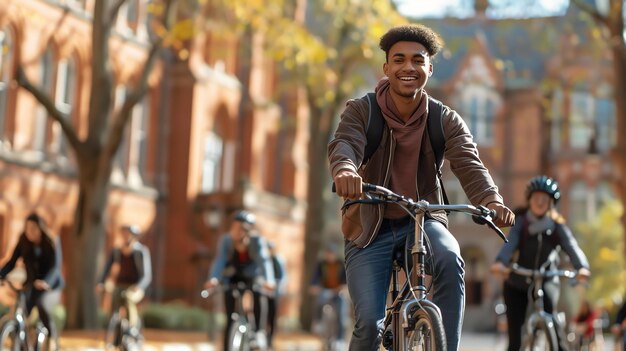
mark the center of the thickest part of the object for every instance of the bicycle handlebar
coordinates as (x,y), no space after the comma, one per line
(380,194)
(532,273)
(239,286)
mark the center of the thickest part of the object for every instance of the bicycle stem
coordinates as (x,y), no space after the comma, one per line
(418,256)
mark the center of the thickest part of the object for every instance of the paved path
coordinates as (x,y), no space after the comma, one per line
(166,340)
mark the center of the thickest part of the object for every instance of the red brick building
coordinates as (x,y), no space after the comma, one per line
(212,136)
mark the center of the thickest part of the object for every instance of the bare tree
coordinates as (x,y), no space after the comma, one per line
(96,151)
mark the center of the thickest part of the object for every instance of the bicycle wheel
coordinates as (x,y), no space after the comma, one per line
(42,338)
(427,333)
(239,335)
(542,338)
(329,326)
(9,336)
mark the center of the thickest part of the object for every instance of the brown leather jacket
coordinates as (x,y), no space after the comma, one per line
(360,223)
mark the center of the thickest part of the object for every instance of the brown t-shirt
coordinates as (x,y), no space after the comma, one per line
(408,140)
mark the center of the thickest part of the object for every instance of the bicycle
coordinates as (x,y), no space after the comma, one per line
(242,334)
(539,329)
(15,332)
(412,321)
(327,327)
(121,334)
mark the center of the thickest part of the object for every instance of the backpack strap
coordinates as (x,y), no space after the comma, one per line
(374,132)
(437,138)
(374,127)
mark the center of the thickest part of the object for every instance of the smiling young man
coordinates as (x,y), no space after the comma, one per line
(404,162)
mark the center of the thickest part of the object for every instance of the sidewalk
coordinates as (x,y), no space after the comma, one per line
(168,340)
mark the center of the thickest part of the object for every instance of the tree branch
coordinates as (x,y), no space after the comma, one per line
(53,111)
(593,12)
(114,11)
(122,118)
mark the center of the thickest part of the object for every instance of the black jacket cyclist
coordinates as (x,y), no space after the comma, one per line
(41,255)
(539,232)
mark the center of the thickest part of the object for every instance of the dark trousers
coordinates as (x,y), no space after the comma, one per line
(44,301)
(517,305)
(260,308)
(272,306)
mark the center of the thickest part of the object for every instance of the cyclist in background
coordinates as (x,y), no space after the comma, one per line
(128,270)
(41,256)
(243,256)
(619,327)
(273,302)
(328,283)
(404,162)
(537,237)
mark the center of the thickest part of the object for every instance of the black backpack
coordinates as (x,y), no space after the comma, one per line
(434,123)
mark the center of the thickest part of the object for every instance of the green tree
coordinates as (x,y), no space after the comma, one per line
(602,241)
(95,151)
(330,53)
(610,18)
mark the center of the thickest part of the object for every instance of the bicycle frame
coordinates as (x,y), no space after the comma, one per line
(538,315)
(21,319)
(403,306)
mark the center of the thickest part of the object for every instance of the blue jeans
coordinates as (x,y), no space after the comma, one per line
(368,273)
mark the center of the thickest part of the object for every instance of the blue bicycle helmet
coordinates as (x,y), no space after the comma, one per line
(245,217)
(544,184)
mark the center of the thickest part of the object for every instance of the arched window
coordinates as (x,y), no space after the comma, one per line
(580,119)
(121,161)
(212,162)
(138,142)
(65,98)
(6,64)
(40,137)
(556,128)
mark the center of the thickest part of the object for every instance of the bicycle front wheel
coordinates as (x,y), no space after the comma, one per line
(427,333)
(239,335)
(42,338)
(9,336)
(542,338)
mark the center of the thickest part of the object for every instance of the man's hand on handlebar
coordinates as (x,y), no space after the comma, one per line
(348,184)
(504,216)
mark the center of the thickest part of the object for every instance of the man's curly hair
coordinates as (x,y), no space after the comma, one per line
(414,32)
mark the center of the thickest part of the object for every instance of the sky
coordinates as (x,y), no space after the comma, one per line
(464,8)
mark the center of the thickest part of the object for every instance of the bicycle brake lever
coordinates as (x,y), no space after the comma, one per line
(486,219)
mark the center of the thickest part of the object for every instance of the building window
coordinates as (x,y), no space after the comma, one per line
(65,97)
(6,56)
(128,16)
(475,273)
(606,130)
(479,110)
(580,208)
(138,148)
(40,138)
(580,120)
(212,161)
(555,121)
(121,162)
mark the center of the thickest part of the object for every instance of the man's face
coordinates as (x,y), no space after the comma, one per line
(408,67)
(237,231)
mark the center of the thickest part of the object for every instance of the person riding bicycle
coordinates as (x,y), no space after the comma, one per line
(535,240)
(405,163)
(327,284)
(243,257)
(273,301)
(42,259)
(127,273)
(619,327)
